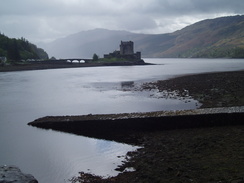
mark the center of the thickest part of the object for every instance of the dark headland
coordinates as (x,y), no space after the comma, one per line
(56,64)
(203,145)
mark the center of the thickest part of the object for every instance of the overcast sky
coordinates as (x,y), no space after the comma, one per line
(46,20)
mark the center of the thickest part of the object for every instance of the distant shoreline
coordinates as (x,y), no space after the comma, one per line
(44,66)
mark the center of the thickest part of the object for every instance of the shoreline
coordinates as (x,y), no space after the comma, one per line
(212,89)
(43,66)
(205,153)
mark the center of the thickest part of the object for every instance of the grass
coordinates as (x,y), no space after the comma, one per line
(109,60)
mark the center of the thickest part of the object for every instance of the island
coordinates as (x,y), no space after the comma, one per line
(125,55)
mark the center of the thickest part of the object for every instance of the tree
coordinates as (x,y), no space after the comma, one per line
(13,51)
(19,49)
(53,58)
(95,57)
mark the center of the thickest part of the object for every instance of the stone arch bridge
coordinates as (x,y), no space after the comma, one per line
(75,59)
(62,61)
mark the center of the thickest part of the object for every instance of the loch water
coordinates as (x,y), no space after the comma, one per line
(53,156)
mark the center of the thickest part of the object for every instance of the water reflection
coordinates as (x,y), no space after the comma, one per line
(125,85)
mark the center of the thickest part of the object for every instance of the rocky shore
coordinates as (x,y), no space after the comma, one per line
(221,89)
(200,155)
(203,145)
(10,174)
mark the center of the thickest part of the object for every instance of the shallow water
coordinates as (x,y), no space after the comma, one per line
(54,156)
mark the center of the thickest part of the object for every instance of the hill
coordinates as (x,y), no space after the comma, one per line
(220,37)
(19,49)
(84,44)
(212,38)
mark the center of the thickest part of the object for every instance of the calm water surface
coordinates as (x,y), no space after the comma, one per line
(54,156)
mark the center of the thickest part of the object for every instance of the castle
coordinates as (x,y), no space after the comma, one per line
(126,52)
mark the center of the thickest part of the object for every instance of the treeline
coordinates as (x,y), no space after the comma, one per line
(19,49)
(236,52)
(214,52)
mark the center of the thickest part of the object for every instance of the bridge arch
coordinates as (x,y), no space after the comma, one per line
(79,60)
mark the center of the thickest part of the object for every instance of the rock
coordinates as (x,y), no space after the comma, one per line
(13,174)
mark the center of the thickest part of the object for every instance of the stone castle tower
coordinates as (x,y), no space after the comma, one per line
(126,48)
(126,52)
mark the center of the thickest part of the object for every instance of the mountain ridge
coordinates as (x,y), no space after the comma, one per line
(210,38)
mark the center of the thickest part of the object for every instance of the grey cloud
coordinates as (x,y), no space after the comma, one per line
(136,22)
(46,20)
(189,7)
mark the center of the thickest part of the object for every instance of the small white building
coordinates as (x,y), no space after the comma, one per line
(3,60)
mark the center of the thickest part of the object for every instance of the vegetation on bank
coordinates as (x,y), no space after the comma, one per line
(213,52)
(96,58)
(112,59)
(237,52)
(19,49)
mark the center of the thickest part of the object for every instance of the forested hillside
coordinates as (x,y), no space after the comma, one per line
(19,49)
(212,38)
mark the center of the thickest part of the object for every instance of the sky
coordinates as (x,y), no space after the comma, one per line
(47,20)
